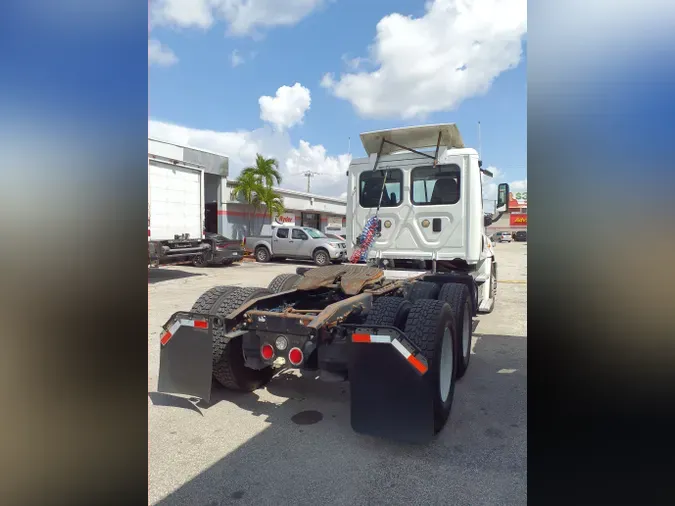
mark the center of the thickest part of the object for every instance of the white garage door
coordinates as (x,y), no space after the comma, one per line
(175,198)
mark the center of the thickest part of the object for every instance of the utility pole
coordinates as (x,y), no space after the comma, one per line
(309,175)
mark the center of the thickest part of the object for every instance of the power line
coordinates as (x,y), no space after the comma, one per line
(309,175)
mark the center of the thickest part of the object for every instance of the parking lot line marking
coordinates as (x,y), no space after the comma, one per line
(506,371)
(513,281)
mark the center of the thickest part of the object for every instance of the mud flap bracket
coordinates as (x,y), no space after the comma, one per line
(389,384)
(185,357)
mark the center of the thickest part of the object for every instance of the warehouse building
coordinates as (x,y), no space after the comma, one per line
(215,206)
(238,219)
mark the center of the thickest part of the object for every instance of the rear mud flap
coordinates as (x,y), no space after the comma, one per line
(185,357)
(390,394)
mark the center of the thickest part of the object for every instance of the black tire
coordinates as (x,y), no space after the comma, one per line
(211,298)
(421,290)
(199,261)
(284,282)
(262,254)
(389,311)
(228,357)
(459,298)
(227,262)
(425,327)
(321,257)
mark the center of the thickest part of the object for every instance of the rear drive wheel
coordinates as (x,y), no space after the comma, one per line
(422,290)
(262,254)
(321,257)
(227,261)
(431,327)
(228,356)
(458,297)
(284,282)
(211,298)
(389,311)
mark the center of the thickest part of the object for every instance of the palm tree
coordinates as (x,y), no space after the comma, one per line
(266,196)
(266,170)
(247,186)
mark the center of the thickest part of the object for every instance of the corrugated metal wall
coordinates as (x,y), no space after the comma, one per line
(236,219)
(212,164)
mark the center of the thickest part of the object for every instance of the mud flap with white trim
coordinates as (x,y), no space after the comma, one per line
(185,356)
(390,393)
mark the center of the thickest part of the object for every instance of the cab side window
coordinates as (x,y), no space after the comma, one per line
(299,234)
(282,233)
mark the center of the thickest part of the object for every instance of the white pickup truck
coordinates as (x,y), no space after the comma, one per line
(296,242)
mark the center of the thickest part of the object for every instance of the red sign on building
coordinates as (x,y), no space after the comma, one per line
(518,220)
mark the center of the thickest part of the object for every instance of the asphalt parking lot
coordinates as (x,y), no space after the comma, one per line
(249,449)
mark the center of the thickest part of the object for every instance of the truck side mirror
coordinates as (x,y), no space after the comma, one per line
(487,220)
(502,198)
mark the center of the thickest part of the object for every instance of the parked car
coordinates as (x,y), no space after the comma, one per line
(503,237)
(520,236)
(296,242)
(222,251)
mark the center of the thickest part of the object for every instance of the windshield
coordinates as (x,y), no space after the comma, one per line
(314,233)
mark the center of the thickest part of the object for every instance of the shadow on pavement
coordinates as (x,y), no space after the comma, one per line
(479,458)
(157,275)
(168,400)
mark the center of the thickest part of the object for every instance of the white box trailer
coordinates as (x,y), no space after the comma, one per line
(175,210)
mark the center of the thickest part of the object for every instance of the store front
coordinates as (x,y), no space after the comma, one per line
(312,220)
(516,219)
(238,219)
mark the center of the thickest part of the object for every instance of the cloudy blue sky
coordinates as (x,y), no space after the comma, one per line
(296,79)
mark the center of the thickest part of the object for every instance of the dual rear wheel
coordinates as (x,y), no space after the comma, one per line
(429,324)
(458,297)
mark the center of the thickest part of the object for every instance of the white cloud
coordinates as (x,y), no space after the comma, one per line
(241,148)
(519,186)
(331,172)
(181,13)
(158,54)
(353,64)
(328,80)
(236,58)
(287,107)
(434,62)
(243,17)
(490,186)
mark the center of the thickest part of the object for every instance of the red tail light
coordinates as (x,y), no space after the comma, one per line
(295,356)
(266,351)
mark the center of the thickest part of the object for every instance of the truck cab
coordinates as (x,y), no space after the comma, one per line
(425,189)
